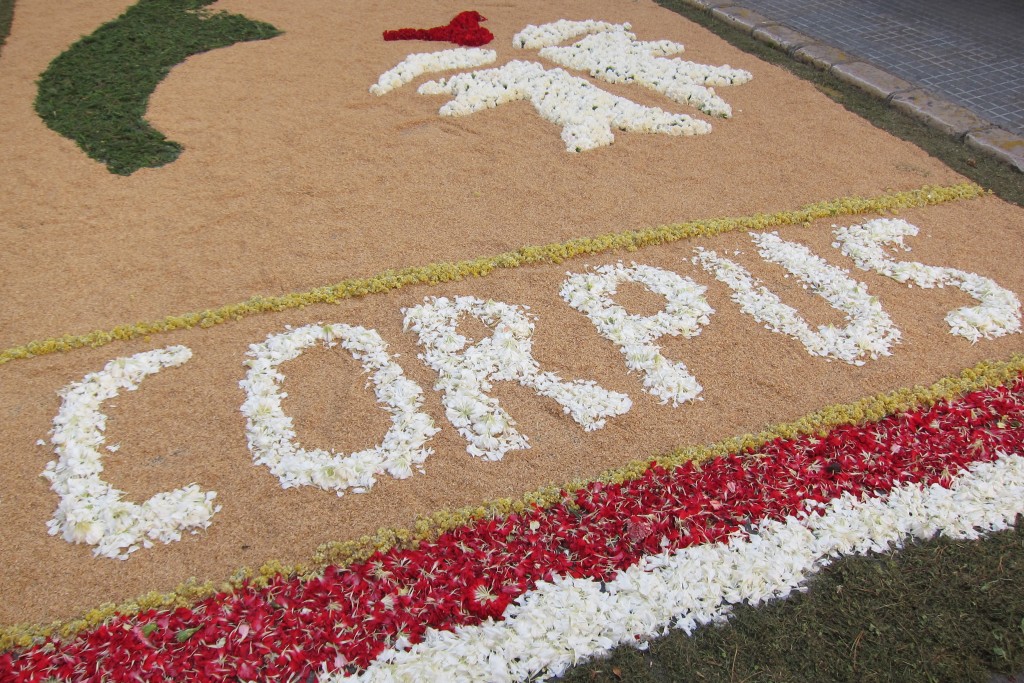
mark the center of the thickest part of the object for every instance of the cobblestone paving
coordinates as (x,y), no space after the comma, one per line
(971,53)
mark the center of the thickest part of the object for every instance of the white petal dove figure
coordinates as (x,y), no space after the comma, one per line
(618,57)
(588,115)
(419,63)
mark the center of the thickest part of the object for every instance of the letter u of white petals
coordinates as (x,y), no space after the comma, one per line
(870,332)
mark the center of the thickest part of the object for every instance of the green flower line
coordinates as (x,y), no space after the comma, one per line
(97,91)
(556,252)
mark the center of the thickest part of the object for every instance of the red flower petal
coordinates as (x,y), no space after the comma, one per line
(464,29)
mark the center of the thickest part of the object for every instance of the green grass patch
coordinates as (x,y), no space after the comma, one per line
(936,611)
(6,16)
(97,91)
(1005,181)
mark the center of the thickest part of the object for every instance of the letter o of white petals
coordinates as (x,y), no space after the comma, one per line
(271,435)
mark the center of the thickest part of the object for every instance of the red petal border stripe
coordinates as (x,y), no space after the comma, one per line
(345,618)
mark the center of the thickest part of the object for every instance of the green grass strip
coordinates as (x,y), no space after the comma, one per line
(427,528)
(6,17)
(97,91)
(1002,178)
(935,611)
(557,252)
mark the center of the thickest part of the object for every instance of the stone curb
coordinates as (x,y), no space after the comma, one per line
(881,84)
(739,17)
(950,118)
(1001,144)
(782,37)
(823,56)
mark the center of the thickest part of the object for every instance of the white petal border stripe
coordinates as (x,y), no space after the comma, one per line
(563,622)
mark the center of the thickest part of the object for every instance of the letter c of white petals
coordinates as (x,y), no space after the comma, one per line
(91,510)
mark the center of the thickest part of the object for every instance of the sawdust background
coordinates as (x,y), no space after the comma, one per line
(294,176)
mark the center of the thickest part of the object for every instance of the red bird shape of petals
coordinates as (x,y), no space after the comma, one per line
(464,29)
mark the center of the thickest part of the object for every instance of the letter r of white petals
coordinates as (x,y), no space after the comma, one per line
(465,373)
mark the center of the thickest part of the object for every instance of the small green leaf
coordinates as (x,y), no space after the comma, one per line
(185,633)
(148,629)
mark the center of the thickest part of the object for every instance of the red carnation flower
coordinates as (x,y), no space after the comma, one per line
(484,601)
(464,29)
(637,529)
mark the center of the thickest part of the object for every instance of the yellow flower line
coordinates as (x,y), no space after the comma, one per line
(557,252)
(427,528)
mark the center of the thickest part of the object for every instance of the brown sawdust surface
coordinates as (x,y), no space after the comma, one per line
(294,176)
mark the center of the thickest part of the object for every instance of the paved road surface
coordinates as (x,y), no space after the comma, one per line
(970,52)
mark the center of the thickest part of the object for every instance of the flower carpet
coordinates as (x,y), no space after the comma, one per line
(467,352)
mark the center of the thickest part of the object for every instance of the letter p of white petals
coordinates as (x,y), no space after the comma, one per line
(685,313)
(91,510)
(465,373)
(999,312)
(271,435)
